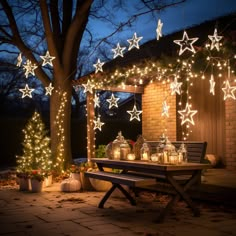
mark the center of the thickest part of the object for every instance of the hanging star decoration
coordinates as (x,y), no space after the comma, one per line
(118,51)
(215,40)
(134,42)
(96,101)
(159,29)
(26,92)
(134,114)
(212,84)
(113,101)
(186,43)
(165,109)
(49,89)
(29,68)
(98,66)
(88,87)
(19,60)
(175,86)
(187,115)
(229,90)
(47,59)
(98,124)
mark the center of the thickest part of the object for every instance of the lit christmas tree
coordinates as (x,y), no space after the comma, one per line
(36,148)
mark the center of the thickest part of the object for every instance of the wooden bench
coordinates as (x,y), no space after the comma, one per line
(119,179)
(196,151)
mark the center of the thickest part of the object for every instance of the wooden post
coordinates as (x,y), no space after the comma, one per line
(90,126)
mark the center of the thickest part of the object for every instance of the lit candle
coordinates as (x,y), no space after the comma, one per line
(145,156)
(116,154)
(131,157)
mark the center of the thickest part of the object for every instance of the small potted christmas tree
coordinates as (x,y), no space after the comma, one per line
(36,159)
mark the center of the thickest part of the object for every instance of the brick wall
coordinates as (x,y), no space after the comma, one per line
(230,133)
(153,123)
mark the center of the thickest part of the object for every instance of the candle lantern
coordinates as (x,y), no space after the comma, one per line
(124,150)
(145,152)
(168,149)
(116,146)
(183,153)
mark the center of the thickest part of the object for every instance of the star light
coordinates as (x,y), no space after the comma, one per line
(229,91)
(118,51)
(96,101)
(186,43)
(26,92)
(98,66)
(175,86)
(212,84)
(134,114)
(98,124)
(113,101)
(29,68)
(215,39)
(165,109)
(49,89)
(134,42)
(88,87)
(19,60)
(187,115)
(47,59)
(159,29)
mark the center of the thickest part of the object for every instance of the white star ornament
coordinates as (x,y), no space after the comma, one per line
(187,115)
(113,101)
(212,85)
(134,42)
(134,114)
(165,109)
(49,89)
(88,87)
(118,51)
(29,68)
(159,29)
(229,91)
(215,40)
(186,43)
(47,59)
(96,101)
(175,86)
(26,92)
(98,66)
(98,124)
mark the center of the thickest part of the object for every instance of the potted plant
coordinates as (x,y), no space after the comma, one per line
(37,177)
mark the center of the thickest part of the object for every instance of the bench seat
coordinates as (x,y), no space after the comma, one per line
(131,180)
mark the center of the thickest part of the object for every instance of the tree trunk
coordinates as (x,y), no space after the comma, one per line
(60,123)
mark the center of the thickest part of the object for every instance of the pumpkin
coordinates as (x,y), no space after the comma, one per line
(70,185)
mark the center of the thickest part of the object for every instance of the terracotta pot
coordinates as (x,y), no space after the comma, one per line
(36,186)
(100,185)
(24,184)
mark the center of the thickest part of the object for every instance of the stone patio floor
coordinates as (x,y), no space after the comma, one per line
(53,212)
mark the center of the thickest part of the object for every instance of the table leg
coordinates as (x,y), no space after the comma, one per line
(181,192)
(110,191)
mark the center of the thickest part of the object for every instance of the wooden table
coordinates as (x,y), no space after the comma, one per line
(155,170)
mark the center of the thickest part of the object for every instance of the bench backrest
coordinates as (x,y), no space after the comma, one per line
(196,151)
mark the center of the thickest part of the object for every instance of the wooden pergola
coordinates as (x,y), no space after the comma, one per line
(91,113)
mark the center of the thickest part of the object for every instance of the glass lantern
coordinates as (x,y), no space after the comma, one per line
(168,149)
(124,150)
(183,157)
(145,152)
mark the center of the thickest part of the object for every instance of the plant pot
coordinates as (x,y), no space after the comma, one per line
(85,183)
(24,184)
(100,185)
(36,186)
(48,181)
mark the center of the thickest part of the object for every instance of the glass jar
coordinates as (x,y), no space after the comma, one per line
(124,150)
(145,152)
(183,153)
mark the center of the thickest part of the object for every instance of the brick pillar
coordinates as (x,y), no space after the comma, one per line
(153,123)
(230,132)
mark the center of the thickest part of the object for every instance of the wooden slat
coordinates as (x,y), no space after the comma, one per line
(125,179)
